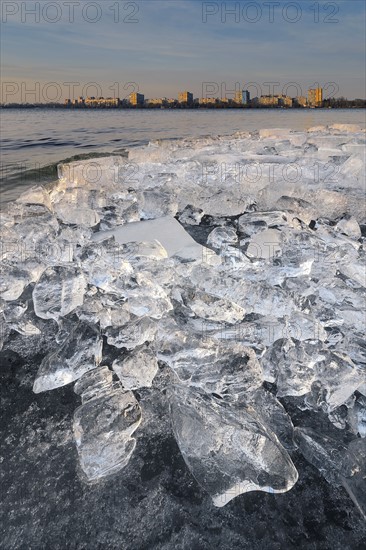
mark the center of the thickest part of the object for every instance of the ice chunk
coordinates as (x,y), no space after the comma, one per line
(13,281)
(357,416)
(75,215)
(324,452)
(107,309)
(221,236)
(252,222)
(36,236)
(273,415)
(354,271)
(337,378)
(89,172)
(291,364)
(15,316)
(212,308)
(25,212)
(6,220)
(132,335)
(158,203)
(226,368)
(103,425)
(349,226)
(191,215)
(166,230)
(265,245)
(346,128)
(94,384)
(59,291)
(298,207)
(354,169)
(76,235)
(228,452)
(11,247)
(103,262)
(119,214)
(138,369)
(147,298)
(36,195)
(338,463)
(80,352)
(4,330)
(356,485)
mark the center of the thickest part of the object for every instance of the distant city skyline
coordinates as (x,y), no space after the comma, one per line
(162,47)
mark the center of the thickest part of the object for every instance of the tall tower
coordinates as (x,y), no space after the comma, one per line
(315,97)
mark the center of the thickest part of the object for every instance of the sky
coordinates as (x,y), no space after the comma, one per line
(113,47)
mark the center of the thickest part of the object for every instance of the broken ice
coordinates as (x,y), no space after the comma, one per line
(229,263)
(104,424)
(228,450)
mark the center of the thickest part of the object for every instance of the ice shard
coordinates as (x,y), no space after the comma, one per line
(339,463)
(133,334)
(228,451)
(137,369)
(58,292)
(103,424)
(80,352)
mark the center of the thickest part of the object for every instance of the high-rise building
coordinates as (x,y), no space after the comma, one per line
(136,98)
(185,97)
(245,97)
(315,97)
(242,96)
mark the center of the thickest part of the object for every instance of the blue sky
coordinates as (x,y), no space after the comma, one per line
(175,45)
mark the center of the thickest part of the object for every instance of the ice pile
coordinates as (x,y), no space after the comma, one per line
(238,264)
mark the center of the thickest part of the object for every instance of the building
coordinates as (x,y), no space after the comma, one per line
(268,100)
(315,97)
(300,101)
(185,97)
(273,101)
(207,101)
(102,102)
(136,98)
(242,97)
(155,101)
(284,101)
(79,101)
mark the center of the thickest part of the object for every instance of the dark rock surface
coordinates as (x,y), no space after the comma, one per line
(154,503)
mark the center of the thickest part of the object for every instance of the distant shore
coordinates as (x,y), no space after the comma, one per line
(356,104)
